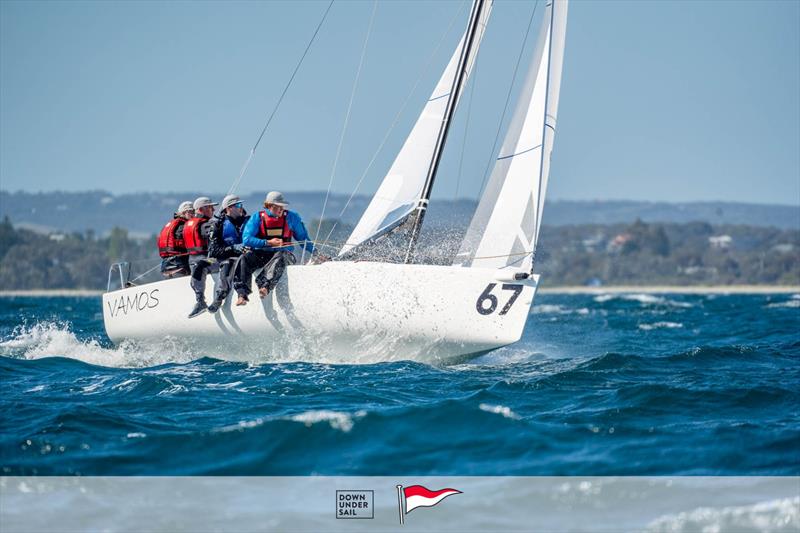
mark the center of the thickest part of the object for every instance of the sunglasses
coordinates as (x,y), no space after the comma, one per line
(239,205)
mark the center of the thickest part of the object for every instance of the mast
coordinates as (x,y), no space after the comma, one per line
(458,85)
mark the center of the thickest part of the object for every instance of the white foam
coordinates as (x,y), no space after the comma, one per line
(774,515)
(499,410)
(240,426)
(223,386)
(337,420)
(642,298)
(173,389)
(791,304)
(556,309)
(96,385)
(548,308)
(56,339)
(660,325)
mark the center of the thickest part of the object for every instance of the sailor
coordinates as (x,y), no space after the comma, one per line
(171,247)
(225,244)
(267,235)
(195,235)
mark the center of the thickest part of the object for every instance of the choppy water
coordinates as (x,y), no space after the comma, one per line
(631,384)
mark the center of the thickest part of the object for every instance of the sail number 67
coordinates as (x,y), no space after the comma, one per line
(487,302)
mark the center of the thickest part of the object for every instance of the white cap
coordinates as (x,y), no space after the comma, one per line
(203,201)
(230,200)
(275,197)
(185,206)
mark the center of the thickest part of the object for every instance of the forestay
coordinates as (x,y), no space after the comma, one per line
(402,187)
(505,227)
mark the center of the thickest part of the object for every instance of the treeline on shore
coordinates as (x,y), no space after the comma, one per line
(695,253)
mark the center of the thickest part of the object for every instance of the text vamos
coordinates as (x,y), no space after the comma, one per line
(133,302)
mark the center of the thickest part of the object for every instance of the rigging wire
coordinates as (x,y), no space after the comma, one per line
(508,99)
(347,117)
(474,81)
(466,126)
(236,182)
(395,121)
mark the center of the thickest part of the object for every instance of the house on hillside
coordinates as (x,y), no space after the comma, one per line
(720,242)
(620,243)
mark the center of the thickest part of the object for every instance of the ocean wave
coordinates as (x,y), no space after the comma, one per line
(557,309)
(240,426)
(660,325)
(774,515)
(642,298)
(342,421)
(57,339)
(793,303)
(499,410)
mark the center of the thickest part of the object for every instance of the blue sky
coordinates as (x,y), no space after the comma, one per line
(661,100)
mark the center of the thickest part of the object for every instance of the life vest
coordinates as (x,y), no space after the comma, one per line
(272,227)
(170,240)
(196,242)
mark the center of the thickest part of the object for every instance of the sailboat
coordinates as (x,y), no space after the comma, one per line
(373,302)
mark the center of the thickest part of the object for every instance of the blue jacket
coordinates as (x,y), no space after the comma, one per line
(299,233)
(232,234)
(225,233)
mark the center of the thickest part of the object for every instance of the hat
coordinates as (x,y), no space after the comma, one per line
(203,201)
(275,197)
(230,200)
(185,206)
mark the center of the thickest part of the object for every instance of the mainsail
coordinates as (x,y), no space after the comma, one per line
(505,227)
(402,188)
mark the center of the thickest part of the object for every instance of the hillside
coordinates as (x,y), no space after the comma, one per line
(143,213)
(695,253)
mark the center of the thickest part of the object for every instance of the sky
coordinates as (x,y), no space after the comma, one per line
(660,100)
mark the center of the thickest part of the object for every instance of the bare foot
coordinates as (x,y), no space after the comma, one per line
(263,292)
(242,300)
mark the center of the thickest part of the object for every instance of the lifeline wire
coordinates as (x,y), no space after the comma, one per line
(347,118)
(336,246)
(395,121)
(280,99)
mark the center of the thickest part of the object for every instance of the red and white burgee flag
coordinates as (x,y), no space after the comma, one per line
(419,496)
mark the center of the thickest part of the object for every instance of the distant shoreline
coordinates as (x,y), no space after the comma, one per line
(675,289)
(615,289)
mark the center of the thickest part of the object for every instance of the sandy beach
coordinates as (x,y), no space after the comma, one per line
(647,289)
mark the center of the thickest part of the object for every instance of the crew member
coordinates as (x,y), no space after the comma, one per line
(268,235)
(225,244)
(171,247)
(195,236)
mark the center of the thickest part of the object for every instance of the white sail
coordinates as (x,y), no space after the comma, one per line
(402,187)
(505,228)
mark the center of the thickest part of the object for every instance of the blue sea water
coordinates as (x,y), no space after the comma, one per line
(632,384)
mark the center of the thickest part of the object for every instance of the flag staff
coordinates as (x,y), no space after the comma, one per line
(400,502)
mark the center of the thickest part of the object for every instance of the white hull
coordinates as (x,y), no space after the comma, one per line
(336,312)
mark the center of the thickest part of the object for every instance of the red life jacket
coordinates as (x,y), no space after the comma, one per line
(196,242)
(170,240)
(272,227)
